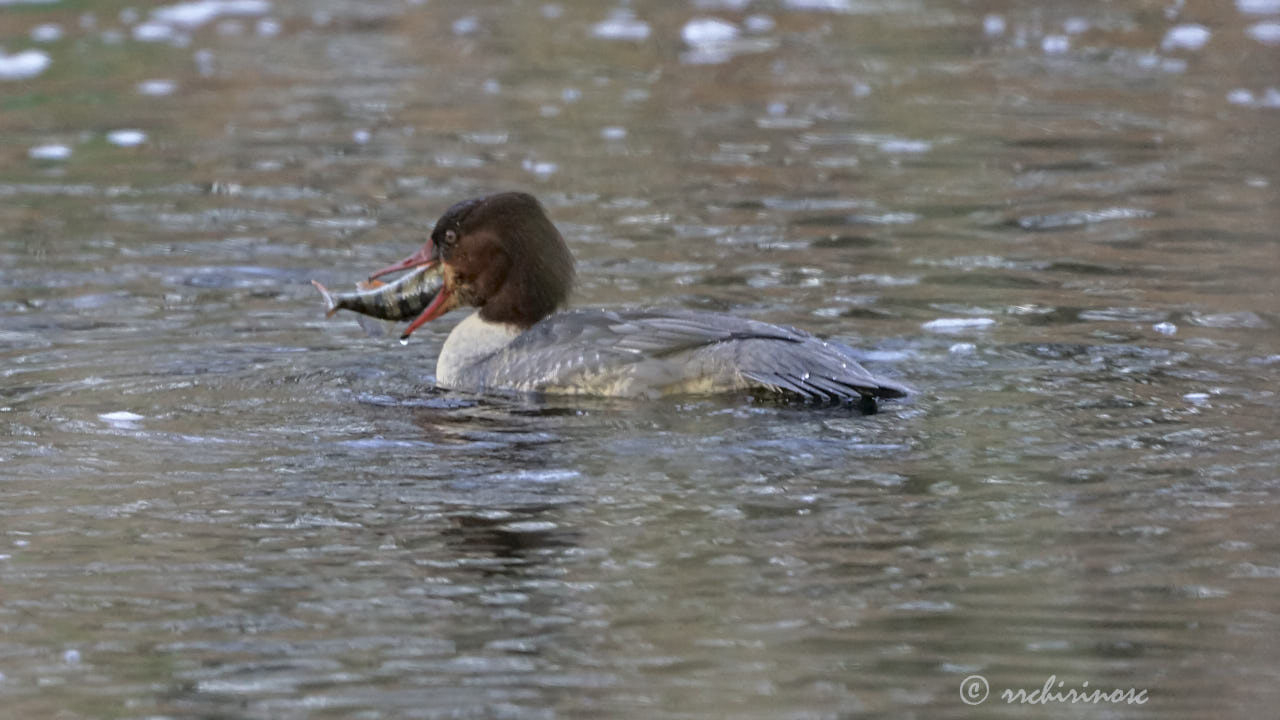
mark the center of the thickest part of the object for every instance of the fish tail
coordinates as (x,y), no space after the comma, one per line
(331,305)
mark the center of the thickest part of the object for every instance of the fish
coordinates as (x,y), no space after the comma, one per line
(403,299)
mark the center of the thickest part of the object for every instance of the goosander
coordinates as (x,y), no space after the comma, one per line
(502,255)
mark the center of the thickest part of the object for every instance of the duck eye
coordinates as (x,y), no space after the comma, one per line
(450,237)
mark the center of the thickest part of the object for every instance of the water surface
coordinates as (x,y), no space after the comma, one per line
(1056,220)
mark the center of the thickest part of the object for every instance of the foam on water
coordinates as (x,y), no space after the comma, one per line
(23,65)
(621,25)
(1186,37)
(49,152)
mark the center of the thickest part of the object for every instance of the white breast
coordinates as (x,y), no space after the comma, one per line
(471,341)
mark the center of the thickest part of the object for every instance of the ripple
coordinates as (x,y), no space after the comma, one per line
(1124,314)
(1058,221)
(1235,320)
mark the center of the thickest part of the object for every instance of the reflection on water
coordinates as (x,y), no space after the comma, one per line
(1057,220)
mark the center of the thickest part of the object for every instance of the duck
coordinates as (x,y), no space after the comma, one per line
(502,256)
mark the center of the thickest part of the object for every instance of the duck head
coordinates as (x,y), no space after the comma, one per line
(500,253)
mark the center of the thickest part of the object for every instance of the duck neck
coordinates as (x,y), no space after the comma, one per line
(471,341)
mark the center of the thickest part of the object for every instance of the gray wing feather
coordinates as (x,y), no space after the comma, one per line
(671,345)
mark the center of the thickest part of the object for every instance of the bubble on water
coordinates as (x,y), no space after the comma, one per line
(49,152)
(153,32)
(268,28)
(820,5)
(361,136)
(759,24)
(46,32)
(622,25)
(71,657)
(905,146)
(946,325)
(1185,37)
(571,95)
(156,88)
(962,349)
(1055,44)
(613,132)
(1075,25)
(541,168)
(204,61)
(1165,328)
(1267,33)
(701,32)
(126,138)
(1240,96)
(1196,398)
(23,65)
(993,25)
(1258,7)
(466,25)
(194,14)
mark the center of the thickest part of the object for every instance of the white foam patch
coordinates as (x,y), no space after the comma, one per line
(820,5)
(1258,7)
(126,138)
(47,32)
(153,32)
(49,152)
(157,88)
(23,65)
(121,419)
(708,31)
(621,26)
(1055,44)
(1267,32)
(1186,37)
(191,15)
(958,324)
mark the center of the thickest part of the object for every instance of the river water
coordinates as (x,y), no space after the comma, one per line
(1057,220)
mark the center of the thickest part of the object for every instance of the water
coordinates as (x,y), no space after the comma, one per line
(1056,220)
